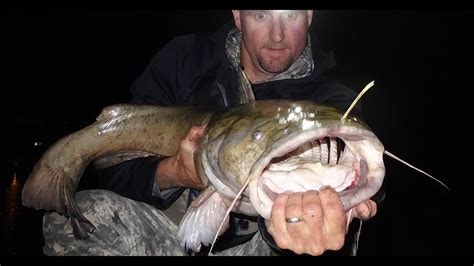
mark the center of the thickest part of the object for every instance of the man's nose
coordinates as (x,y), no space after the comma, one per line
(277,33)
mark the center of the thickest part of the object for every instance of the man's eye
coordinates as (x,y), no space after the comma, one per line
(291,15)
(260,16)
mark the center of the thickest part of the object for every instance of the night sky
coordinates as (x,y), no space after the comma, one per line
(64,65)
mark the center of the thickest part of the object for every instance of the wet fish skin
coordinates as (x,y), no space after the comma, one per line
(118,129)
(238,144)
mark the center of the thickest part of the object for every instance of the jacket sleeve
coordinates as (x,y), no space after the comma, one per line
(135,179)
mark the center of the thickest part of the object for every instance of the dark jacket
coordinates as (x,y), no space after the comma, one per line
(194,70)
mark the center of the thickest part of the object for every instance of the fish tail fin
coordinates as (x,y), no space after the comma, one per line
(411,166)
(52,185)
(55,195)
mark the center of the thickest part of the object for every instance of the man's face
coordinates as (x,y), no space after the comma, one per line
(273,39)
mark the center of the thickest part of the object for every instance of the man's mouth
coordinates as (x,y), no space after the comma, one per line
(275,52)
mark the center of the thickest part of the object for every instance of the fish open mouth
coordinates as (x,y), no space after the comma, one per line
(341,161)
(320,162)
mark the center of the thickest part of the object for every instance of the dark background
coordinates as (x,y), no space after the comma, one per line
(61,66)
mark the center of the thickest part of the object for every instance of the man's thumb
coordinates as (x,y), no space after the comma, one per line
(196,132)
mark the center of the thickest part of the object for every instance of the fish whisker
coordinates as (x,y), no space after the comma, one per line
(228,212)
(419,170)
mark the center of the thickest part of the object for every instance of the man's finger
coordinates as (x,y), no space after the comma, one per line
(193,138)
(294,205)
(334,217)
(314,220)
(365,210)
(299,231)
(278,223)
(195,133)
(313,213)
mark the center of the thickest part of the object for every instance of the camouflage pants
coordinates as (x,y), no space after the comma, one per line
(125,228)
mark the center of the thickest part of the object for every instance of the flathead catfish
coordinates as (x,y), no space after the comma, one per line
(273,146)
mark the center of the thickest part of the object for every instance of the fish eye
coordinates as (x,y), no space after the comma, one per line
(257,135)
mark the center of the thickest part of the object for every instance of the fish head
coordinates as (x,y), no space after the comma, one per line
(291,146)
(235,139)
(318,148)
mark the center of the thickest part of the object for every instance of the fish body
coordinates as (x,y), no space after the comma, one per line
(274,146)
(119,129)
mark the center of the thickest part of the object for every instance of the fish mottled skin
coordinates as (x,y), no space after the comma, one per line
(118,129)
(236,156)
(249,142)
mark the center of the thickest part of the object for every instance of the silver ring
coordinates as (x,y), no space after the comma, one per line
(293,220)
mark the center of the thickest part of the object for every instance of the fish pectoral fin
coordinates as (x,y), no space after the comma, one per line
(202,220)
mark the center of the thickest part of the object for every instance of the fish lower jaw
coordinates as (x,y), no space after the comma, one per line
(267,188)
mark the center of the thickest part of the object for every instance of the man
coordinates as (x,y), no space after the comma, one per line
(264,54)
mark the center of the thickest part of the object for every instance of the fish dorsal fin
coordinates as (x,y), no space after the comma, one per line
(113,111)
(202,220)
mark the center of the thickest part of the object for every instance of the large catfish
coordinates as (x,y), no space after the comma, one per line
(273,146)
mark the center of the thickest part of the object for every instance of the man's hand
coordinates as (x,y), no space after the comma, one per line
(179,170)
(323,225)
